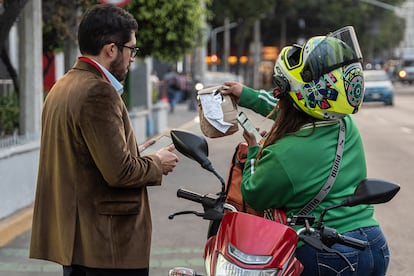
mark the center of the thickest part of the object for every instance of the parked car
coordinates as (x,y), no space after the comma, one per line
(378,87)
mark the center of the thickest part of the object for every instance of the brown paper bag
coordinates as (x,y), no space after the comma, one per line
(229,108)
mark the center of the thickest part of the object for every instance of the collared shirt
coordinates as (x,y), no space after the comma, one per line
(114,82)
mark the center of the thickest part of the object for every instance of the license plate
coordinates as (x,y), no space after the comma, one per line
(375,96)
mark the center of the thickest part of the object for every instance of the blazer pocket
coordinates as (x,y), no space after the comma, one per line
(118,208)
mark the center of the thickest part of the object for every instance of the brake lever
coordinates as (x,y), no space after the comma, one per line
(316,243)
(185,213)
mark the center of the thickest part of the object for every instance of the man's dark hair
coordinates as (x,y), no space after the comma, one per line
(104,24)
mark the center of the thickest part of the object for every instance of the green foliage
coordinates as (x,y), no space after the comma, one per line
(379,30)
(9,114)
(242,9)
(167,29)
(244,12)
(60,19)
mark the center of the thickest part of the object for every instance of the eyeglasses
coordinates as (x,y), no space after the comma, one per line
(134,50)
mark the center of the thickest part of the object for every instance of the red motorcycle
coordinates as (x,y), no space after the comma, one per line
(243,244)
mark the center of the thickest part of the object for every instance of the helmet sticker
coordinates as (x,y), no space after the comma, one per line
(318,92)
(354,85)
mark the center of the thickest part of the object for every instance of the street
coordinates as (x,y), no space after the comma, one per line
(388,135)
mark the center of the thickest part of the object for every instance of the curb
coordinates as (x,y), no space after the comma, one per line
(15,225)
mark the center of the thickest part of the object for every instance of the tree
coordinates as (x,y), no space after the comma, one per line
(284,21)
(378,29)
(243,12)
(60,18)
(8,16)
(167,29)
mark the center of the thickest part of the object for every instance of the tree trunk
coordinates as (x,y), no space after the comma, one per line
(9,15)
(10,69)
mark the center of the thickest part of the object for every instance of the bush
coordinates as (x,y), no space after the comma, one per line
(9,114)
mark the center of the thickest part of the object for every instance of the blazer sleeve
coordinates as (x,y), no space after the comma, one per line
(108,134)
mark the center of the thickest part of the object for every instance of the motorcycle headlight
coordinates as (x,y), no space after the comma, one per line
(181,271)
(226,268)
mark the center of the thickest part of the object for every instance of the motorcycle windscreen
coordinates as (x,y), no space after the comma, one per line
(251,241)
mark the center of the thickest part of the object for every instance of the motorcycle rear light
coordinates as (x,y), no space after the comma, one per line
(226,268)
(247,258)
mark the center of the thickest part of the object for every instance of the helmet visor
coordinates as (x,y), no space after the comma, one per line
(337,49)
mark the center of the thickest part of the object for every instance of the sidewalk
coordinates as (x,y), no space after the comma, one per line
(21,221)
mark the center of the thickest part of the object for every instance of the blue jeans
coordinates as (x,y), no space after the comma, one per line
(373,261)
(175,97)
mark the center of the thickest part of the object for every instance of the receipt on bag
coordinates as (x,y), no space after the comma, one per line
(211,103)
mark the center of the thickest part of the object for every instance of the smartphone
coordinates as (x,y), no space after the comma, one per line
(161,142)
(248,126)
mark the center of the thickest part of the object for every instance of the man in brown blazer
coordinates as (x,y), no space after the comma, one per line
(91,211)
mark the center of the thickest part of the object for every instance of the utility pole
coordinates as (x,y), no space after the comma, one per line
(226,53)
(30,67)
(256,53)
(213,35)
(198,63)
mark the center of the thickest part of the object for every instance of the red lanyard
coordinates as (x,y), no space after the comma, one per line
(93,63)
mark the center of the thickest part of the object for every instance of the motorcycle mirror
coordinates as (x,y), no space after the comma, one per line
(372,191)
(369,191)
(191,145)
(194,147)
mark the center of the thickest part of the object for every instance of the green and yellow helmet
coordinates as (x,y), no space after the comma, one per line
(324,77)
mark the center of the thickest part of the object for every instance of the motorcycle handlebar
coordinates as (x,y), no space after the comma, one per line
(331,236)
(183,193)
(352,242)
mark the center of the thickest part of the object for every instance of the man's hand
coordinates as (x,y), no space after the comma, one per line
(168,159)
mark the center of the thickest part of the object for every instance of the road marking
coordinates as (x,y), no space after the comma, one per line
(15,225)
(52,267)
(183,250)
(159,259)
(29,267)
(406,130)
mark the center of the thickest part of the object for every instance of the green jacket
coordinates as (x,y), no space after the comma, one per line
(293,170)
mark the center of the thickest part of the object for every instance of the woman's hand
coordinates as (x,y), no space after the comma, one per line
(233,89)
(250,138)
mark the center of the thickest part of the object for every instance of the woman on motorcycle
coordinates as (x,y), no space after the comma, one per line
(317,85)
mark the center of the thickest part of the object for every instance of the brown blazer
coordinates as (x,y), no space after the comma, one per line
(91,206)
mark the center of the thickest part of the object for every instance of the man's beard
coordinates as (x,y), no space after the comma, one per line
(117,69)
